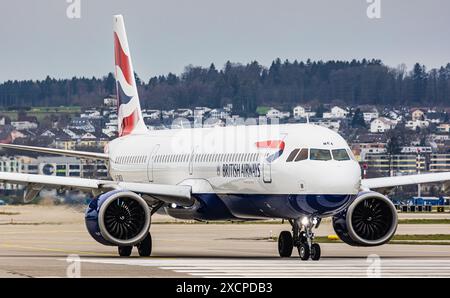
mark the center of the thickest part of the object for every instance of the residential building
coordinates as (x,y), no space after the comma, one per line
(417,114)
(381,125)
(336,113)
(369,113)
(443,127)
(439,163)
(417,149)
(360,150)
(24,125)
(273,113)
(401,164)
(299,112)
(414,124)
(219,114)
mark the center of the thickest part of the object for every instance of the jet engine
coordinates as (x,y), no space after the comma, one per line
(370,220)
(119,218)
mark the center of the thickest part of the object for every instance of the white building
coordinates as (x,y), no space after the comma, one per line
(382,124)
(184,113)
(334,125)
(273,113)
(299,112)
(92,114)
(417,115)
(444,127)
(417,149)
(201,111)
(414,124)
(335,113)
(439,137)
(24,125)
(110,102)
(152,114)
(370,115)
(219,114)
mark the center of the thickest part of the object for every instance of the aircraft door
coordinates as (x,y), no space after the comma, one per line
(267,169)
(151,161)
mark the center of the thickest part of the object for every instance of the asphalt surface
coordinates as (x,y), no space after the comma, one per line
(187,250)
(49,241)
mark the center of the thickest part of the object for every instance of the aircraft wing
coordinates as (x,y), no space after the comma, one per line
(404,180)
(178,194)
(80,154)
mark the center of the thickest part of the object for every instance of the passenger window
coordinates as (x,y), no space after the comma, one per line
(320,154)
(303,155)
(292,155)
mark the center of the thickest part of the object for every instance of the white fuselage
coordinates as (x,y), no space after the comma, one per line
(228,161)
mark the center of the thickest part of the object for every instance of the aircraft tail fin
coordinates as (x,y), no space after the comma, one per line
(129,112)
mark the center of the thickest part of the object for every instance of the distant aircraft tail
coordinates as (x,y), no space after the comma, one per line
(130,118)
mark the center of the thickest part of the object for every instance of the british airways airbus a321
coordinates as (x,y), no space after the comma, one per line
(298,172)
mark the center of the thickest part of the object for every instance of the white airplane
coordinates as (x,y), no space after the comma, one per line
(298,172)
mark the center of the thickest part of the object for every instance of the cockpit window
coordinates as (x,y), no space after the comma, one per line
(350,153)
(292,155)
(340,154)
(320,154)
(303,155)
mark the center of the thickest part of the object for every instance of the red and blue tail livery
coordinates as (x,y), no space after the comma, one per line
(129,111)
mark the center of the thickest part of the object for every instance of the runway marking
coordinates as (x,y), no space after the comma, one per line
(65,251)
(216,268)
(40,232)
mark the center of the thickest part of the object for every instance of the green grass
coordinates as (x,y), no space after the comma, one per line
(433,237)
(42,112)
(427,239)
(262,110)
(429,221)
(420,243)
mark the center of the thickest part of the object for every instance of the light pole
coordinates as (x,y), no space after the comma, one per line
(419,194)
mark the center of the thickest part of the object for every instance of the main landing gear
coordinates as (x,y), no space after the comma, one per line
(144,248)
(301,237)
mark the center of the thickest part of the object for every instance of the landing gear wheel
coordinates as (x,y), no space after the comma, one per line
(285,244)
(303,251)
(125,251)
(145,247)
(315,252)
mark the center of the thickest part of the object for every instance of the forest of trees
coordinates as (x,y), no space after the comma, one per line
(283,84)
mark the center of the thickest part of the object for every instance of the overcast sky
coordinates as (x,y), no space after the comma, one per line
(37,38)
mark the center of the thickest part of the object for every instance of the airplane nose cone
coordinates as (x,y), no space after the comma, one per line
(339,178)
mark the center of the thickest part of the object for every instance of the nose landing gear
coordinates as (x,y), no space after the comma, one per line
(301,237)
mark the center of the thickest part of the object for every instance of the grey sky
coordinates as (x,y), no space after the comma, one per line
(166,35)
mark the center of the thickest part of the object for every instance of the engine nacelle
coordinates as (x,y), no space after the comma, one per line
(370,220)
(119,218)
